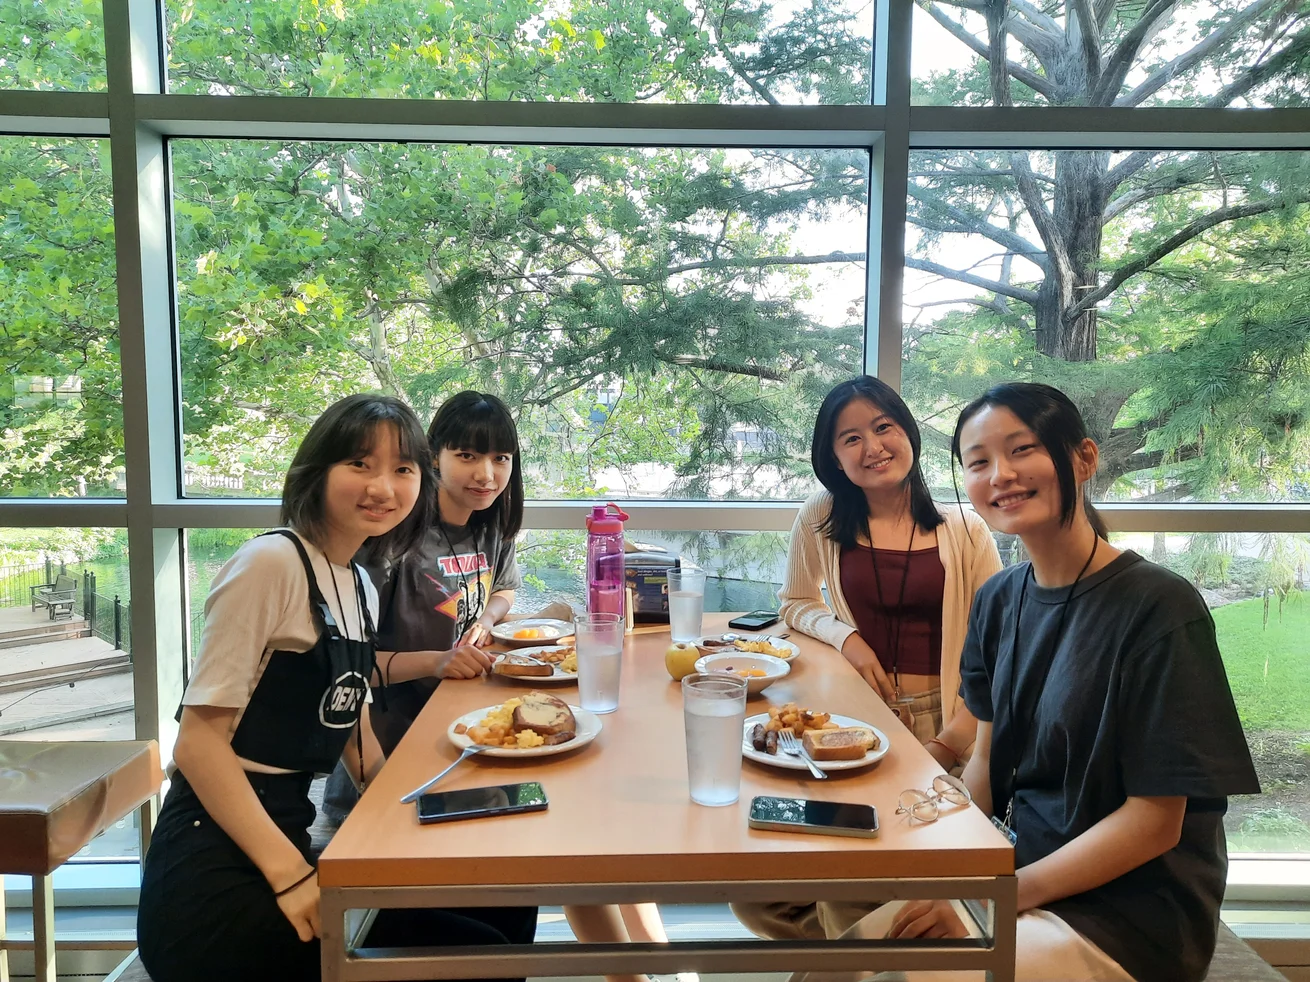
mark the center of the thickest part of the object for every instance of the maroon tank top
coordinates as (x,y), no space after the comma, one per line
(920,614)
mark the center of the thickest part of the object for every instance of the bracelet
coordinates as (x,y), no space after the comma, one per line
(948,749)
(303,879)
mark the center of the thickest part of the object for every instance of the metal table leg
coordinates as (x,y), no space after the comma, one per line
(43,927)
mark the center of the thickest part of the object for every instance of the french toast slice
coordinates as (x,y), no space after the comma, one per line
(545,714)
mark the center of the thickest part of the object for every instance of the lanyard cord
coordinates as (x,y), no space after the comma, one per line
(359,611)
(466,621)
(900,604)
(1020,741)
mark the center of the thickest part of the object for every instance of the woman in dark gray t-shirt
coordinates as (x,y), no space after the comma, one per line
(1108,741)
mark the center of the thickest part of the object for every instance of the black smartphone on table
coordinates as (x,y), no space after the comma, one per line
(818,817)
(755,620)
(503,799)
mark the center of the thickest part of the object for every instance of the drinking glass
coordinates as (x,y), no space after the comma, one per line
(686,603)
(714,712)
(599,641)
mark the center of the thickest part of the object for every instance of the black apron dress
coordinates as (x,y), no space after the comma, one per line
(206,913)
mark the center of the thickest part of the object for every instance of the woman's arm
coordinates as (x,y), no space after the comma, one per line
(464,661)
(203,753)
(498,606)
(1138,831)
(801,596)
(950,745)
(977,776)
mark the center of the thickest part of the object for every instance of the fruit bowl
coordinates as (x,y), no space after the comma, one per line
(759,671)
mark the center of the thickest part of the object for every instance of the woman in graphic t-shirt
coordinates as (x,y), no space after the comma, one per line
(280,693)
(1107,740)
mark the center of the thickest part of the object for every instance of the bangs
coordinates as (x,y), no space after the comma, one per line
(482,428)
(359,433)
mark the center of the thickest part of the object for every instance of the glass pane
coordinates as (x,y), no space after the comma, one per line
(61,409)
(1258,591)
(66,641)
(739,51)
(664,322)
(52,44)
(1164,291)
(1214,53)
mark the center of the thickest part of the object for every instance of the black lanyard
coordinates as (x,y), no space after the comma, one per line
(1019,739)
(900,604)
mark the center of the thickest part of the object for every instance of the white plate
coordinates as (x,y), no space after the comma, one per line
(797,763)
(725,660)
(588,730)
(559,674)
(552,630)
(789,650)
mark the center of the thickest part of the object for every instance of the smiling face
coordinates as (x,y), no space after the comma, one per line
(871,449)
(468,481)
(371,494)
(1009,475)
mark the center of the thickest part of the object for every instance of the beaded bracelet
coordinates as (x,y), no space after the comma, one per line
(303,879)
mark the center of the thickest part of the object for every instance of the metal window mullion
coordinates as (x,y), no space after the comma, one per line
(150,436)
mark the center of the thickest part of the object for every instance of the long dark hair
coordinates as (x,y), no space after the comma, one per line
(1058,426)
(850,508)
(346,431)
(480,422)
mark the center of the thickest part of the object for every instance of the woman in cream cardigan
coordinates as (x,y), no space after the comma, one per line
(900,574)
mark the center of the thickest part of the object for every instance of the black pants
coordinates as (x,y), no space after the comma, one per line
(207,914)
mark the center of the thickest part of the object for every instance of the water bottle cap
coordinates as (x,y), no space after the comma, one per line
(602,521)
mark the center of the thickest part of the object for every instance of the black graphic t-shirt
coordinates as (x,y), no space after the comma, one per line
(428,601)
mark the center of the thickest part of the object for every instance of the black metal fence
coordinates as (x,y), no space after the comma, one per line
(108,618)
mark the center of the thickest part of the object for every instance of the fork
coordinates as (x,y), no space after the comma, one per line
(791,746)
(469,751)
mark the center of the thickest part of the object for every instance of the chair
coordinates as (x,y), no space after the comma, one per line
(58,597)
(54,799)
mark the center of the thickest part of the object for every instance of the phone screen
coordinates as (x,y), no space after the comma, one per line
(504,799)
(816,814)
(755,619)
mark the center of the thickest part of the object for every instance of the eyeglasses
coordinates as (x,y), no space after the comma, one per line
(925,806)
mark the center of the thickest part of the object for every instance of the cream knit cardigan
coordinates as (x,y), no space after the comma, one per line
(968,554)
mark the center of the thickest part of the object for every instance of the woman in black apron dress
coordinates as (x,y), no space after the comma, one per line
(228,886)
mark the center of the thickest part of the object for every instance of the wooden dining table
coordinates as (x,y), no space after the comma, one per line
(621,828)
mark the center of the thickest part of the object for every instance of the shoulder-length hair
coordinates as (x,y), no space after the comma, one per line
(480,422)
(850,508)
(345,431)
(1059,428)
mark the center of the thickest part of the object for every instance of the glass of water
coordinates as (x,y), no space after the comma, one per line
(686,603)
(599,640)
(714,712)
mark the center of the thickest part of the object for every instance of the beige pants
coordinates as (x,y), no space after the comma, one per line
(787,921)
(1048,950)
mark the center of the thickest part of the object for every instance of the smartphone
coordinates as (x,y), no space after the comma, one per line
(819,817)
(755,620)
(504,799)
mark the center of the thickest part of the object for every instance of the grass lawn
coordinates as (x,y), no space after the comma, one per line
(1280,700)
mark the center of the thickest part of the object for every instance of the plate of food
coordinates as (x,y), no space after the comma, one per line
(531,631)
(835,742)
(759,671)
(535,724)
(761,644)
(550,664)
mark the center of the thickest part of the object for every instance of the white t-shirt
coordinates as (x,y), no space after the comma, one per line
(259,603)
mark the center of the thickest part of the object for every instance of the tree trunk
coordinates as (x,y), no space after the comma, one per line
(1078,211)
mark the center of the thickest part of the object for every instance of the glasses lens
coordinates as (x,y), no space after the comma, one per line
(925,811)
(952,789)
(909,801)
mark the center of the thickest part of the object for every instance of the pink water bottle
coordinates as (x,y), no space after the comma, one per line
(605,573)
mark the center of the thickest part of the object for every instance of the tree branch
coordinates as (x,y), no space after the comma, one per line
(1045,222)
(757,263)
(1003,289)
(1157,188)
(719,365)
(1027,76)
(1296,49)
(1121,62)
(974,223)
(1177,240)
(1190,59)
(1089,37)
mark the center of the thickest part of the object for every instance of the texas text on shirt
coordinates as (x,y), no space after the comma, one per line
(258,603)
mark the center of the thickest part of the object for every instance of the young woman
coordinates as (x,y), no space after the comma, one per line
(1107,737)
(900,574)
(279,693)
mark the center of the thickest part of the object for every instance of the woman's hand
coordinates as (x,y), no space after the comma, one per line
(476,635)
(927,919)
(300,907)
(464,661)
(857,651)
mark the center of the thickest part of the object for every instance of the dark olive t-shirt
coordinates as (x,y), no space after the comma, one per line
(1136,704)
(428,600)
